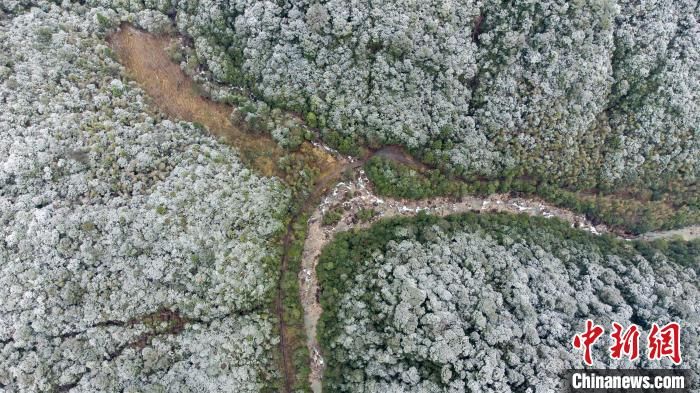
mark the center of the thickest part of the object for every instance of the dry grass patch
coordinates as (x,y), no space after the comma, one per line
(145,57)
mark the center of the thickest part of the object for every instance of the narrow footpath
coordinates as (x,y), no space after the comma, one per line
(145,59)
(357,195)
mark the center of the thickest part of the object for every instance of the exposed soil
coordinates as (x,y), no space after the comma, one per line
(398,154)
(687,233)
(146,61)
(355,196)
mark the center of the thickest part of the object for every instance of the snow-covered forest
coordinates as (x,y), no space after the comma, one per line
(490,303)
(136,253)
(591,93)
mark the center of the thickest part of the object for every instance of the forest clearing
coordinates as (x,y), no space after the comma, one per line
(146,60)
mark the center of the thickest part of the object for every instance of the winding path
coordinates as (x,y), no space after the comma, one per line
(145,58)
(319,236)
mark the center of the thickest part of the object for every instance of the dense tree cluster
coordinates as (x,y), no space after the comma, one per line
(401,181)
(490,303)
(655,101)
(135,252)
(584,93)
(635,214)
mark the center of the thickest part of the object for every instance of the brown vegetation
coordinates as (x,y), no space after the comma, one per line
(146,60)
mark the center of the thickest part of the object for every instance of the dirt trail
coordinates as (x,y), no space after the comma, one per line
(146,60)
(688,233)
(357,195)
(398,154)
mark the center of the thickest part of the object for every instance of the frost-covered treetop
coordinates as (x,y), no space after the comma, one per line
(133,249)
(582,92)
(488,304)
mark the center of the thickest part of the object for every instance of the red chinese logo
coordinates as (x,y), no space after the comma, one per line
(588,338)
(626,344)
(662,342)
(665,342)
